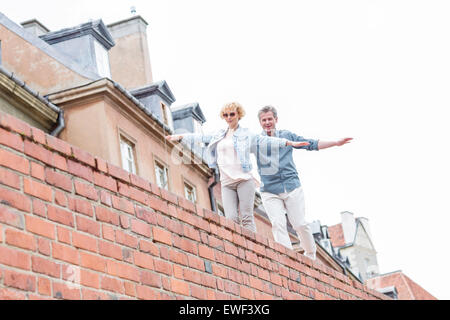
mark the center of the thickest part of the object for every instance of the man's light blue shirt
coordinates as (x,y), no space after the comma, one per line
(276,167)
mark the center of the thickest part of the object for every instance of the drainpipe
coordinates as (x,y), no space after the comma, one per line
(211,192)
(60,124)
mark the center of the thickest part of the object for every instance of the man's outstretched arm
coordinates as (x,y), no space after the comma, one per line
(329,144)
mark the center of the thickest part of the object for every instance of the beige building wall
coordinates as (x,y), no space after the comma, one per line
(35,67)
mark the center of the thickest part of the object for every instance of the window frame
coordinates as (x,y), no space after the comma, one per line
(188,184)
(159,163)
(130,142)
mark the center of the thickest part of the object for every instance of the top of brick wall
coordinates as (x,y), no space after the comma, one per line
(123,237)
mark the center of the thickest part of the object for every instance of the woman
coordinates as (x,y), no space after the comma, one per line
(229,151)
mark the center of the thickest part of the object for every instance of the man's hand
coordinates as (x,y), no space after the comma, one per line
(297,144)
(175,137)
(329,144)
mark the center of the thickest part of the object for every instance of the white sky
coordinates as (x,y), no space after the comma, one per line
(378,71)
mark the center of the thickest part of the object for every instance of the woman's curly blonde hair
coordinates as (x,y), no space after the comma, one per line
(233,106)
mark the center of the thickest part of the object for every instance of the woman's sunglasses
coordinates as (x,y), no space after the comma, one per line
(231,114)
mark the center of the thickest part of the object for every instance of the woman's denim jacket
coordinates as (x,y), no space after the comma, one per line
(244,143)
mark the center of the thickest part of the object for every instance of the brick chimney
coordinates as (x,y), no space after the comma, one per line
(130,58)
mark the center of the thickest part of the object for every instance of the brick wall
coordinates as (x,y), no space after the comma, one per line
(73,226)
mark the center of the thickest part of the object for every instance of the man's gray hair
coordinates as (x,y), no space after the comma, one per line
(268,109)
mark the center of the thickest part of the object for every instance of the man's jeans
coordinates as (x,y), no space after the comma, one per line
(292,203)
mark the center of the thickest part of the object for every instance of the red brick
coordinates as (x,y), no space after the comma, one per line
(92,262)
(141,228)
(37,171)
(65,253)
(101,165)
(88,225)
(124,222)
(20,239)
(37,189)
(196,263)
(89,279)
(123,204)
(122,270)
(179,287)
(60,198)
(108,233)
(19,280)
(89,294)
(193,276)
(38,135)
(159,205)
(80,170)
(169,196)
(1,239)
(15,258)
(161,235)
(8,294)
(146,215)
(44,287)
(148,247)
(146,293)
(86,190)
(81,206)
(126,239)
(105,198)
(85,242)
(15,199)
(64,235)
(40,227)
(44,266)
(205,252)
(130,288)
(178,257)
(139,196)
(140,182)
(246,293)
(10,122)
(67,292)
(111,284)
(106,215)
(232,288)
(58,145)
(83,156)
(143,260)
(186,204)
(118,173)
(163,266)
(198,292)
(110,250)
(44,246)
(105,181)
(11,140)
(191,233)
(10,217)
(60,215)
(150,279)
(9,178)
(38,152)
(59,162)
(58,180)
(185,244)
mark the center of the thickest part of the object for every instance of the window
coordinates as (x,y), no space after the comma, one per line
(127,151)
(162,175)
(190,193)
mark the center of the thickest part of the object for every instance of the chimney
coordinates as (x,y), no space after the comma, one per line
(35,27)
(130,58)
(348,226)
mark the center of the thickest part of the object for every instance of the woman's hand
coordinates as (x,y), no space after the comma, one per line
(175,137)
(296,144)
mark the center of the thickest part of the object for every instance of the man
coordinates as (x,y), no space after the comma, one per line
(281,191)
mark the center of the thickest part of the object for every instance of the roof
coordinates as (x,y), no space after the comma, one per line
(407,289)
(193,109)
(336,234)
(95,28)
(161,88)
